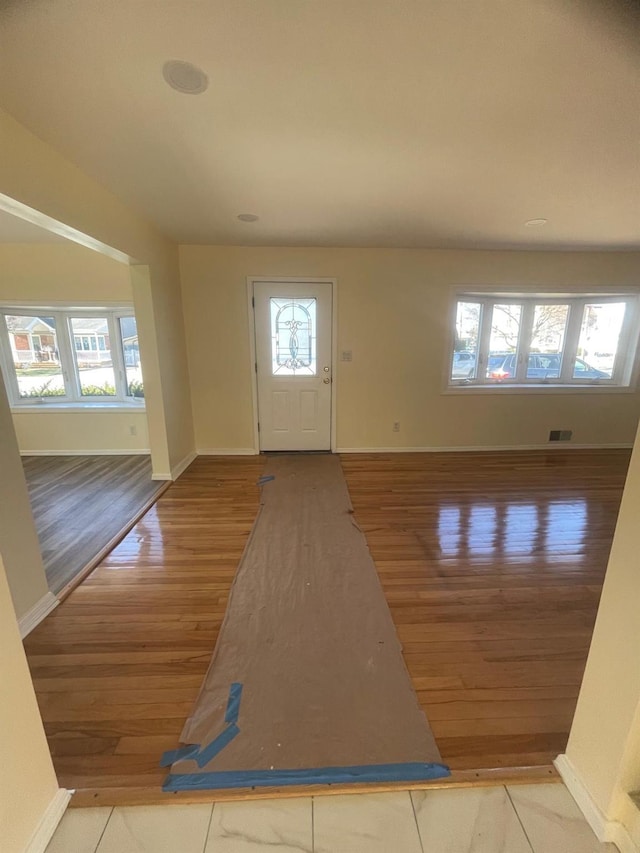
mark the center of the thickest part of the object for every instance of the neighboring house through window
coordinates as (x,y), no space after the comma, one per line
(74,356)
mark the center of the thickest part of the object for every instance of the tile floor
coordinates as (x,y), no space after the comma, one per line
(518,819)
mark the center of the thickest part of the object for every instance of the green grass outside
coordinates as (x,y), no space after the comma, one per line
(37,371)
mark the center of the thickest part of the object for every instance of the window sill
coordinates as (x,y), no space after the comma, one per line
(538,389)
(76,408)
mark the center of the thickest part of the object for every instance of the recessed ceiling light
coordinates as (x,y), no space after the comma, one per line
(535,223)
(185,77)
(248,217)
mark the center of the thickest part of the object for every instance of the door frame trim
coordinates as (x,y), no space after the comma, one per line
(251,279)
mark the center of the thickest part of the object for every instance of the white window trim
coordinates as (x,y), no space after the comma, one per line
(626,367)
(73,399)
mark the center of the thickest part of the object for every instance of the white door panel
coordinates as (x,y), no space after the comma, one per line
(293,359)
(308,411)
(281,411)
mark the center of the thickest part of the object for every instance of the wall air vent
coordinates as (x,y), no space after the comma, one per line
(560,435)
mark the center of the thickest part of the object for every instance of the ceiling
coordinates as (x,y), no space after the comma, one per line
(439,123)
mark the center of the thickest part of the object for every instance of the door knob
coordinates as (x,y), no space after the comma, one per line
(326,380)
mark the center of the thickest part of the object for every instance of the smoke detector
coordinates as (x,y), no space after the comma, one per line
(185,77)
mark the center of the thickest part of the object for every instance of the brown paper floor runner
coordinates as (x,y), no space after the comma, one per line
(307,682)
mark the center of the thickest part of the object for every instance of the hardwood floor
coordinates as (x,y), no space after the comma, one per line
(492,565)
(118,665)
(80,503)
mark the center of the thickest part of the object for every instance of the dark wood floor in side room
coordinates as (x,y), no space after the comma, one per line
(492,565)
(80,503)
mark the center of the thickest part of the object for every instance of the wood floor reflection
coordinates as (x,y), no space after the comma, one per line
(81,503)
(492,565)
(118,665)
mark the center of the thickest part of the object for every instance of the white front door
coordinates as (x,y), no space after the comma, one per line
(293,364)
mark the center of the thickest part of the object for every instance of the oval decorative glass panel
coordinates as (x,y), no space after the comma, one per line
(293,336)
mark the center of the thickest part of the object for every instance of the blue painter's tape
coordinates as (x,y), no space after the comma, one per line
(217,745)
(200,755)
(180,754)
(233,703)
(203,755)
(408,772)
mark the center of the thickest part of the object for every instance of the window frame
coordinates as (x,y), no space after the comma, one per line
(68,355)
(625,369)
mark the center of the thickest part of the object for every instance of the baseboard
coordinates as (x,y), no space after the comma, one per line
(36,614)
(227,451)
(122,452)
(177,469)
(49,822)
(183,465)
(605,829)
(555,445)
(595,817)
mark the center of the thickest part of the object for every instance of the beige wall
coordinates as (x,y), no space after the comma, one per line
(18,537)
(27,782)
(393,307)
(61,272)
(81,432)
(34,174)
(66,272)
(604,745)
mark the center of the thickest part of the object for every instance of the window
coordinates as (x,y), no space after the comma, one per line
(293,341)
(78,357)
(524,341)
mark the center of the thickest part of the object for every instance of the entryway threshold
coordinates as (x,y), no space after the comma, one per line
(154,795)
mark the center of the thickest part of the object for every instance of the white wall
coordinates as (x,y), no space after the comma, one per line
(28,785)
(604,745)
(393,310)
(18,537)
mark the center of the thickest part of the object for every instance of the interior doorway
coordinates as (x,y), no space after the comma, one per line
(71,368)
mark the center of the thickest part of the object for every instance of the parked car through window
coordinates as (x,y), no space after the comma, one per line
(511,340)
